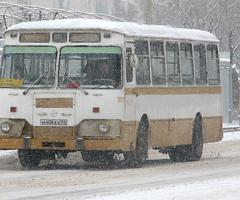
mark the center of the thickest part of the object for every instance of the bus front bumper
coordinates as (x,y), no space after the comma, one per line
(78,144)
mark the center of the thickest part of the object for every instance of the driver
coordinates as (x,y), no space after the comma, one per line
(100,74)
(104,71)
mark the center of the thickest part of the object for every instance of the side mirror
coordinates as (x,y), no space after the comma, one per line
(133,60)
(132,64)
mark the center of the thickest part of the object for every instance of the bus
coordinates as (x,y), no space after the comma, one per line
(105,87)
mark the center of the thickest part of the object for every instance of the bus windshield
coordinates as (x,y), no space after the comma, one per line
(26,64)
(90,67)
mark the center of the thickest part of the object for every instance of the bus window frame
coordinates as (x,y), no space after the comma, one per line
(143,56)
(193,44)
(24,34)
(57,42)
(217,67)
(161,57)
(35,45)
(205,61)
(189,58)
(179,61)
(121,86)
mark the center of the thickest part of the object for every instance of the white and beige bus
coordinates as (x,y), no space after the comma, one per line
(104,87)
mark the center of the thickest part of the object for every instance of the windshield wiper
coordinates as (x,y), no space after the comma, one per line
(108,86)
(36,82)
(73,82)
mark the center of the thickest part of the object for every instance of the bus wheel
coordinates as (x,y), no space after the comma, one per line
(87,156)
(138,157)
(190,152)
(97,156)
(29,158)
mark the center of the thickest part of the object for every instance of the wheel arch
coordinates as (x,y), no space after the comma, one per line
(198,114)
(144,119)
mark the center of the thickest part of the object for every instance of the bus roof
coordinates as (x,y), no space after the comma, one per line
(129,29)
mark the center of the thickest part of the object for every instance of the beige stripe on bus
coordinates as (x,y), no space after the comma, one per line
(54,103)
(172,90)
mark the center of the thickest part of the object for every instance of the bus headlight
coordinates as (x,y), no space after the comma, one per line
(100,128)
(5,127)
(103,128)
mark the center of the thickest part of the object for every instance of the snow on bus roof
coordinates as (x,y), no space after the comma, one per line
(130,29)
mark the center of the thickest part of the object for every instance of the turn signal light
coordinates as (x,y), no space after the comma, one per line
(13,109)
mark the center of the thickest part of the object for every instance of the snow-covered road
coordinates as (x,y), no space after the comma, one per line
(216,176)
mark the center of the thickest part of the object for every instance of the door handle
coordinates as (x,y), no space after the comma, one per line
(42,114)
(13,94)
(66,114)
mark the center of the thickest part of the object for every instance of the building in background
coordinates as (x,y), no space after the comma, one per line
(1,49)
(126,9)
(83,5)
(226,82)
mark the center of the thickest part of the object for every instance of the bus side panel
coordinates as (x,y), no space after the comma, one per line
(124,143)
(166,133)
(171,113)
(171,132)
(212,127)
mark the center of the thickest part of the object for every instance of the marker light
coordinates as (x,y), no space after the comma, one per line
(13,109)
(96,109)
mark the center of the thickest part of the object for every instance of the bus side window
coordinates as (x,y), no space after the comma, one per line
(158,63)
(186,57)
(143,69)
(173,64)
(213,65)
(200,64)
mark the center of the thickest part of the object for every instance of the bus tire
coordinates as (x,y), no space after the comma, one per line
(138,157)
(87,156)
(29,158)
(190,152)
(197,146)
(97,156)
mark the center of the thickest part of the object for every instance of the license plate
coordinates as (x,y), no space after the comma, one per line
(53,122)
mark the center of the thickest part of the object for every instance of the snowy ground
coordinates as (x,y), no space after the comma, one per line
(216,176)
(7,153)
(235,124)
(231,136)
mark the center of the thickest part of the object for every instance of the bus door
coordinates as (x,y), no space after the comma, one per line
(130,94)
